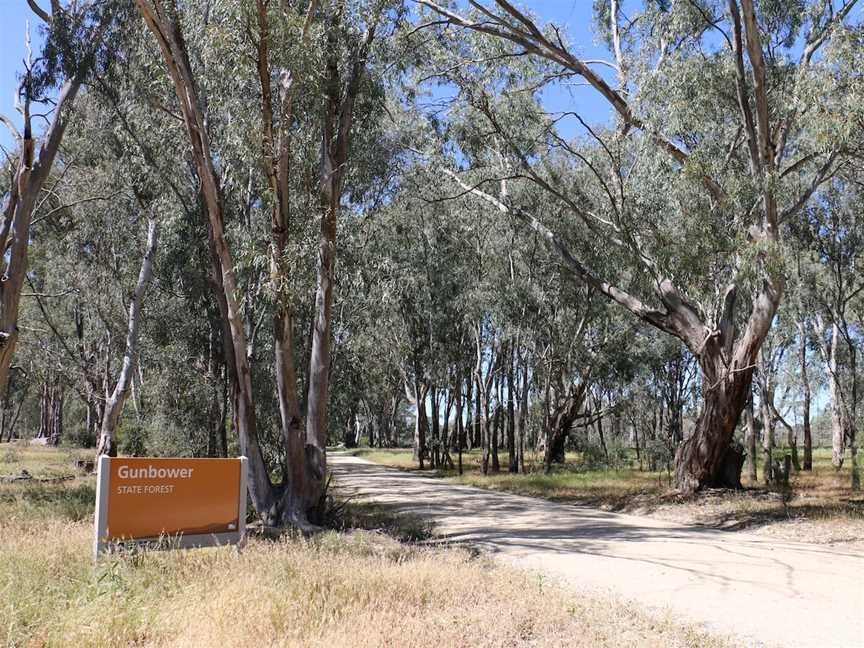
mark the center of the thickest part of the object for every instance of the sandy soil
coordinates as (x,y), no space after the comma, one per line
(761,590)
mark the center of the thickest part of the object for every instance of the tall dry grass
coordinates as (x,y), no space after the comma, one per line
(356,589)
(349,588)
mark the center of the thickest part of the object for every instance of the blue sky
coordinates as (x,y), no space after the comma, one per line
(573,15)
(14,15)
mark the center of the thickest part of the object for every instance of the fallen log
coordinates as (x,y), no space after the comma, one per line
(25,476)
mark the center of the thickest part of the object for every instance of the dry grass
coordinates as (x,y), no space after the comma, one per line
(818,507)
(357,588)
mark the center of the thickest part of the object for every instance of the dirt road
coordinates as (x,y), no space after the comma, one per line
(762,591)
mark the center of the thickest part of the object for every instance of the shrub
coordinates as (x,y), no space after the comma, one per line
(10,456)
(594,457)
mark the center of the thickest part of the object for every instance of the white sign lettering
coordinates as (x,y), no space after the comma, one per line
(151,472)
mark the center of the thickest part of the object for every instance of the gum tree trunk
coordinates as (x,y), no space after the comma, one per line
(560,421)
(418,399)
(483,386)
(446,434)
(513,463)
(163,23)
(460,424)
(766,415)
(56,431)
(767,442)
(523,415)
(335,145)
(319,362)
(707,458)
(843,421)
(115,401)
(495,429)
(483,423)
(301,487)
(392,428)
(435,426)
(838,423)
(750,442)
(805,382)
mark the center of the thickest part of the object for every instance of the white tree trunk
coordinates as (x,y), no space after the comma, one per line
(115,401)
(838,428)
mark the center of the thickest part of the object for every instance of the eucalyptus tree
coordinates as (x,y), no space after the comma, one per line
(341,37)
(567,338)
(418,270)
(276,152)
(374,338)
(803,375)
(676,373)
(13,402)
(832,235)
(57,282)
(566,376)
(651,387)
(769,377)
(117,163)
(729,119)
(80,301)
(74,41)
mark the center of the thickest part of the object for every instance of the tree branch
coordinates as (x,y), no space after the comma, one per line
(818,179)
(536,43)
(39,11)
(741,86)
(656,318)
(11,126)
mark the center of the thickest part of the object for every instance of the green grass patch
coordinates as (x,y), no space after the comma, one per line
(571,481)
(71,502)
(394,457)
(42,462)
(608,488)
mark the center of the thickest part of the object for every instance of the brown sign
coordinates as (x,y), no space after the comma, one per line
(199,501)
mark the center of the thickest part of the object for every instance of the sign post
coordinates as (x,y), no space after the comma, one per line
(190,502)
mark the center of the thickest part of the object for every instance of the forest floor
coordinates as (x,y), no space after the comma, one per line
(374,579)
(819,506)
(762,590)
